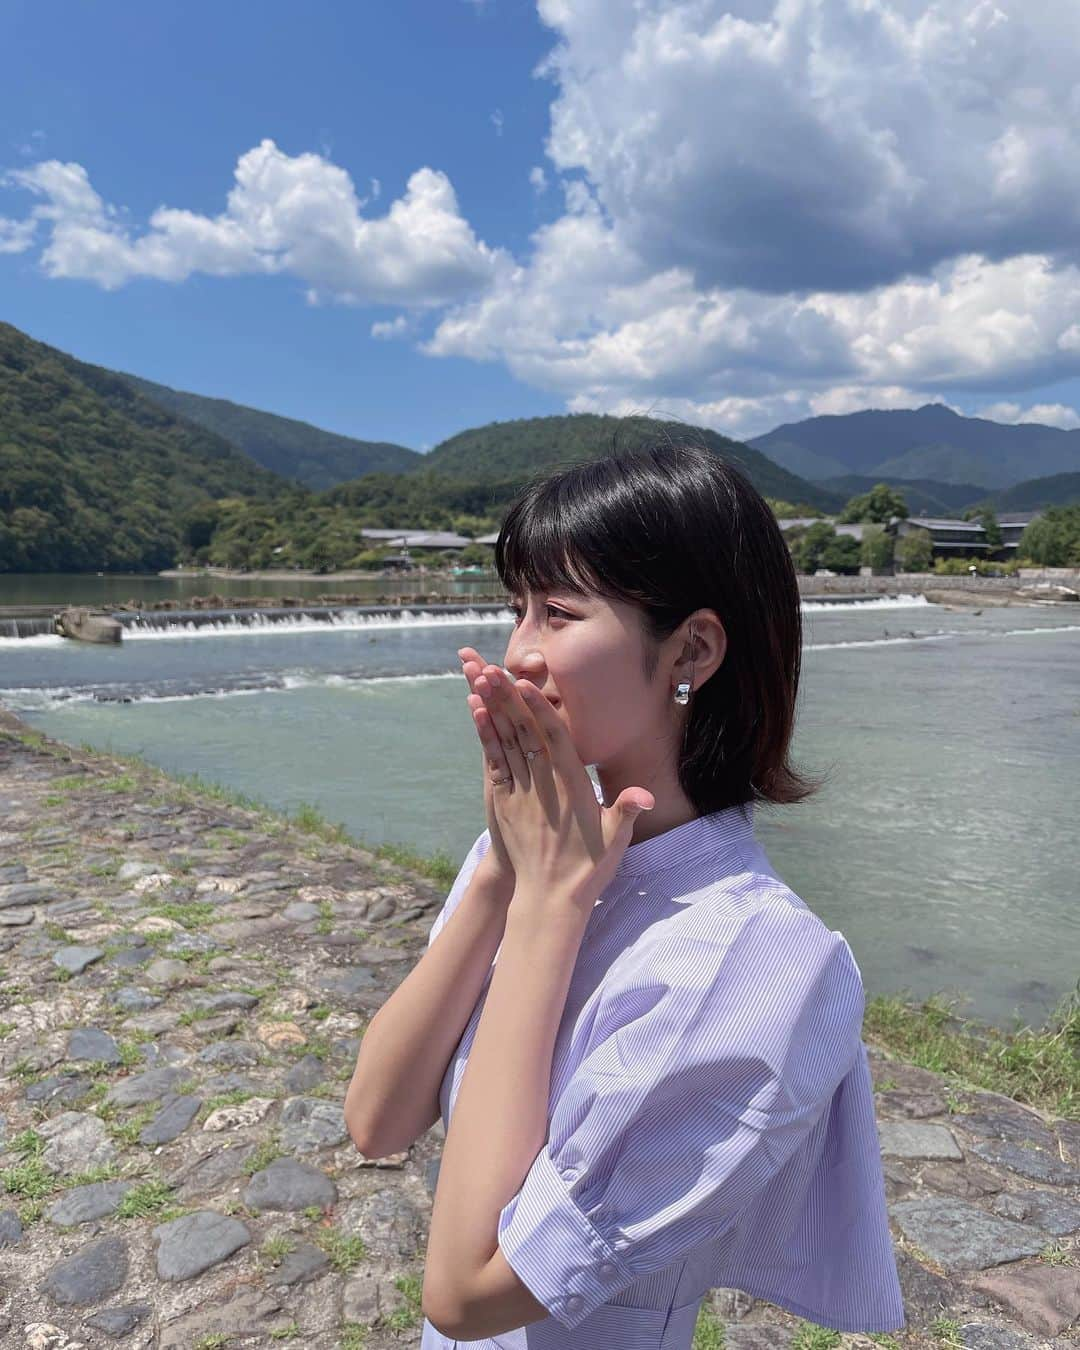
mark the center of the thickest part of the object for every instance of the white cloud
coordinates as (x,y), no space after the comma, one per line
(825,144)
(498,121)
(1046,414)
(297,215)
(16,236)
(538,179)
(392,328)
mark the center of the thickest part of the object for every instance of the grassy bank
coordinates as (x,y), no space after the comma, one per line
(1037,1066)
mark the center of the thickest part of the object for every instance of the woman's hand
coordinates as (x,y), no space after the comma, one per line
(559,839)
(471,665)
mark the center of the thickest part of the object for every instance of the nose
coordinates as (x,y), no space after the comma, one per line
(524,661)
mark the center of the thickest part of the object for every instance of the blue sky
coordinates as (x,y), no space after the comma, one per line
(740,214)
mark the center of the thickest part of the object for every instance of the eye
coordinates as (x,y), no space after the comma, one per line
(555,613)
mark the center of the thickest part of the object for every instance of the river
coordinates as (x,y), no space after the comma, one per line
(943,846)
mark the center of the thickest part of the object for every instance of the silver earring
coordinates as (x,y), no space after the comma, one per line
(682,690)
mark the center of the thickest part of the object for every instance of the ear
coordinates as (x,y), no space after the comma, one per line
(699,659)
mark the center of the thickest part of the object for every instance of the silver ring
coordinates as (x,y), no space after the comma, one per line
(495,782)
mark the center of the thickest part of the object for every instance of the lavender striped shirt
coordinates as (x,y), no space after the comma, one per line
(711,1117)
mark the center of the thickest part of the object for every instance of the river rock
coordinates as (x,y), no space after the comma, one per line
(10,1227)
(189,1245)
(117,1322)
(77,1142)
(89,1274)
(169,974)
(84,1203)
(75,959)
(960,1236)
(172,1120)
(150,1086)
(309,1123)
(906,1139)
(238,1116)
(240,1317)
(305,1263)
(27,893)
(232,1054)
(304,1074)
(92,1044)
(133,869)
(287,1184)
(132,999)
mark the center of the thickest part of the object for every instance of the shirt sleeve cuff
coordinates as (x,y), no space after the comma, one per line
(554,1250)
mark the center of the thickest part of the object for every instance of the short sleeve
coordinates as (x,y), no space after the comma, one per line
(480,846)
(708,1064)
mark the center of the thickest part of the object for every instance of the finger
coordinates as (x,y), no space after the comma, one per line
(520,734)
(504,728)
(497,766)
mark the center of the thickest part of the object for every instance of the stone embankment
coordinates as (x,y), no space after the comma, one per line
(185,986)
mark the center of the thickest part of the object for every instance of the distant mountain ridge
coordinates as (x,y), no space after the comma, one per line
(517,449)
(319,459)
(928,443)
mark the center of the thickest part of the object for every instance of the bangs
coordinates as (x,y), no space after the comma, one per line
(544,546)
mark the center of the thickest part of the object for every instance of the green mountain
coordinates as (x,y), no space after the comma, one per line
(95,477)
(515,450)
(1059,489)
(931,442)
(318,459)
(924,497)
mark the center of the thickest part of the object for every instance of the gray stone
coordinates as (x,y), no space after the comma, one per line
(10,1227)
(305,1263)
(309,1123)
(345,982)
(150,1086)
(905,1139)
(167,973)
(131,957)
(133,870)
(1057,1214)
(154,1023)
(1034,1163)
(237,1320)
(388,1221)
(95,1270)
(11,872)
(76,1143)
(117,1322)
(960,1236)
(1003,1118)
(989,1336)
(926,1295)
(231,1054)
(287,1184)
(229,998)
(969,1181)
(172,1120)
(133,1000)
(211,1171)
(27,893)
(301,912)
(304,1074)
(16,918)
(83,1203)
(61,1087)
(90,1043)
(360,1300)
(758,1336)
(917,1105)
(189,1245)
(75,959)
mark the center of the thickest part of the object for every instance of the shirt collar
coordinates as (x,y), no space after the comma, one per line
(715,832)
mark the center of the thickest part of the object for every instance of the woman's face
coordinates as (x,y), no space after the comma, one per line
(585,655)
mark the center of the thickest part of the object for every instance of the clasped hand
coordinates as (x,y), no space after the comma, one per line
(559,839)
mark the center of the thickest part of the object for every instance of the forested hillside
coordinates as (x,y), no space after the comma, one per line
(318,459)
(94,477)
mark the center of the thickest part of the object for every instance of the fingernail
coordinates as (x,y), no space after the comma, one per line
(495,679)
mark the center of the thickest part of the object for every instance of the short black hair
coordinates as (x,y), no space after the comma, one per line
(671,528)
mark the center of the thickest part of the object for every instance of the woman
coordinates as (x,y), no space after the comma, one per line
(666,1090)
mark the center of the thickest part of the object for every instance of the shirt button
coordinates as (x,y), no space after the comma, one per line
(606,1268)
(573,1303)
